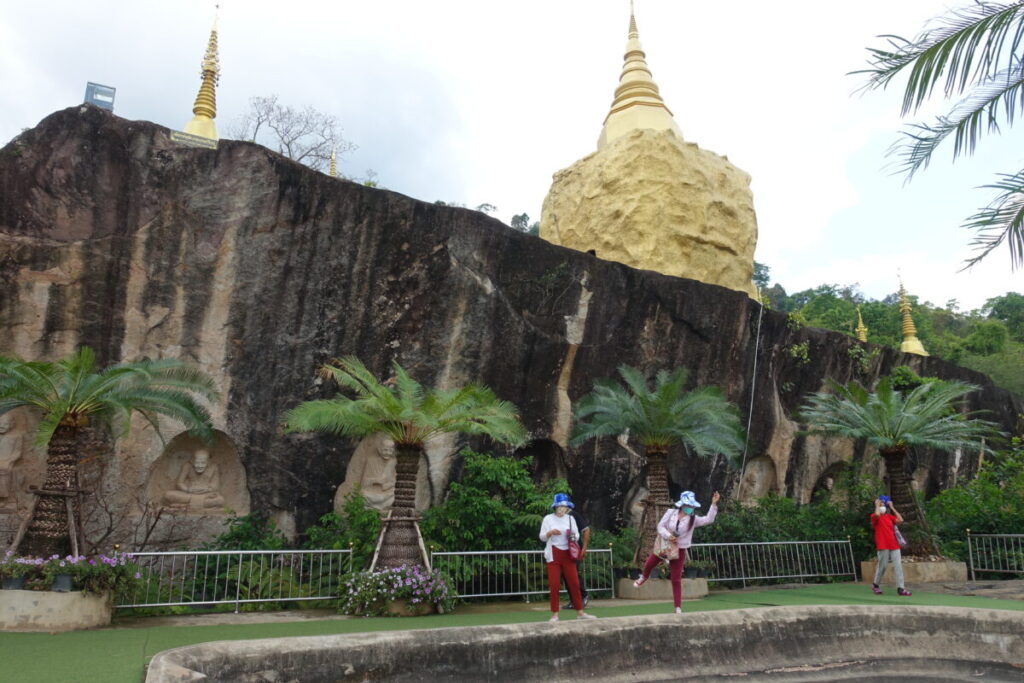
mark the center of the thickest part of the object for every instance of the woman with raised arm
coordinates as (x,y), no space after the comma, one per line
(676,527)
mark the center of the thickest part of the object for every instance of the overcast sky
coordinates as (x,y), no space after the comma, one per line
(481,101)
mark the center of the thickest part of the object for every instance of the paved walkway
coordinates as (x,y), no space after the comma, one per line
(1002,590)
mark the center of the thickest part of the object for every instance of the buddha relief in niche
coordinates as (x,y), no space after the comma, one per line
(372,469)
(758,479)
(192,477)
(20,464)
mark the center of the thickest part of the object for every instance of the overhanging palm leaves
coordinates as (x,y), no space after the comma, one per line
(71,394)
(702,420)
(976,55)
(410,415)
(894,422)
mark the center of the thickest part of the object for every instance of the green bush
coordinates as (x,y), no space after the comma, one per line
(496,506)
(357,527)
(249,532)
(992,503)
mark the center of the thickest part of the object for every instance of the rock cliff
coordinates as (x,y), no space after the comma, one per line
(258,269)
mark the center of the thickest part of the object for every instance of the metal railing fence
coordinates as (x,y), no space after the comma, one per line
(218,577)
(505,573)
(775,560)
(997,553)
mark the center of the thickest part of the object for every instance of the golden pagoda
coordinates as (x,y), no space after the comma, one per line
(862,330)
(637,104)
(333,172)
(911,344)
(205,107)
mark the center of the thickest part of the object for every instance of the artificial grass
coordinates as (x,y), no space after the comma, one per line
(119,654)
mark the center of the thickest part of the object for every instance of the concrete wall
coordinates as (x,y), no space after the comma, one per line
(49,611)
(758,642)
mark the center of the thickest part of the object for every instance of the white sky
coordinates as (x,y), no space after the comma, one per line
(477,101)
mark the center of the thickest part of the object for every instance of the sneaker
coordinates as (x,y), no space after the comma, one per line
(875,589)
(639,582)
(585,616)
(679,610)
(903,591)
(554,618)
(568,605)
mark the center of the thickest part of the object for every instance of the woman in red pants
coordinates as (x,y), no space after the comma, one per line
(555,531)
(676,526)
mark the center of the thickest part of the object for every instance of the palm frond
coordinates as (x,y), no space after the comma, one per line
(1001,221)
(976,114)
(959,50)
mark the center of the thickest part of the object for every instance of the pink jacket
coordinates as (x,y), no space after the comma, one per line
(667,525)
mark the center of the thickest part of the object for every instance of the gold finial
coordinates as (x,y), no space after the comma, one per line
(911,344)
(638,103)
(862,330)
(334,166)
(205,107)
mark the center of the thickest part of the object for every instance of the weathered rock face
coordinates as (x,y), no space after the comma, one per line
(653,201)
(258,270)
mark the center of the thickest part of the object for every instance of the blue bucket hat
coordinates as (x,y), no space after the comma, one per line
(562,499)
(686,498)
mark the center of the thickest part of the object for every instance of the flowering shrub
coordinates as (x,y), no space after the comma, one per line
(12,567)
(368,593)
(96,574)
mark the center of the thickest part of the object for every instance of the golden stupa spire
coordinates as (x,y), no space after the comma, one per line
(911,344)
(205,107)
(862,330)
(637,104)
(334,166)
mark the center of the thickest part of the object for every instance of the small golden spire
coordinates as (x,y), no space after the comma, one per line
(205,107)
(862,330)
(638,103)
(911,344)
(334,166)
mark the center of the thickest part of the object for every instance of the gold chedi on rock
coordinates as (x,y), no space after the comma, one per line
(910,344)
(205,107)
(651,200)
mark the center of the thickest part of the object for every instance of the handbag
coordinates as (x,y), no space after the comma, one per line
(574,547)
(666,549)
(899,536)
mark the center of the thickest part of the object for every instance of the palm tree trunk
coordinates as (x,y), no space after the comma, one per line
(656,503)
(48,531)
(400,536)
(920,541)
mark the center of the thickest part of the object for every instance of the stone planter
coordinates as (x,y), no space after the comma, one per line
(404,608)
(51,611)
(660,589)
(918,572)
(14,583)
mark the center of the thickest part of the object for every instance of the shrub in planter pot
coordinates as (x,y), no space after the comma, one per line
(13,570)
(400,591)
(703,568)
(97,574)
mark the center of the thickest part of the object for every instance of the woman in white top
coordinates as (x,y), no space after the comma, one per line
(676,526)
(555,531)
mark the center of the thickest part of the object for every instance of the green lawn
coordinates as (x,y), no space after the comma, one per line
(119,654)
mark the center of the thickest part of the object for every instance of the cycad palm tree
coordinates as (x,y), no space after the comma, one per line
(72,395)
(702,420)
(894,422)
(410,415)
(974,54)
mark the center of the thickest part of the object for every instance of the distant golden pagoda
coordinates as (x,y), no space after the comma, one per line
(334,166)
(205,107)
(638,103)
(911,344)
(862,330)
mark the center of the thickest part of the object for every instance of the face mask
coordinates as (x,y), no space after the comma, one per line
(561,510)
(687,511)
(882,510)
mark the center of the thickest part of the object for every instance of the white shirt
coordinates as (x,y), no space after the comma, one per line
(561,540)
